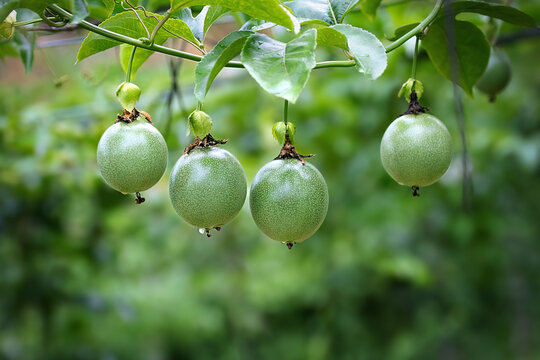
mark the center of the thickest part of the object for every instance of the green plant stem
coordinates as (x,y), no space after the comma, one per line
(29,22)
(337,63)
(418,29)
(285,112)
(150,45)
(130,64)
(415,57)
(160,25)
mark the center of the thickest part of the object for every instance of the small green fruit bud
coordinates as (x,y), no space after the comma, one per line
(6,28)
(128,94)
(200,123)
(409,86)
(280,129)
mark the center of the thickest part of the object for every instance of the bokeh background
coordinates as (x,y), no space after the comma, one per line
(87,274)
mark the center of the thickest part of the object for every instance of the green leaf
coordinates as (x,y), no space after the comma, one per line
(80,11)
(77,7)
(100,9)
(330,11)
(7,6)
(214,13)
(506,13)
(281,68)
(25,45)
(257,25)
(212,63)
(269,10)
(369,7)
(8,48)
(365,48)
(471,47)
(126,23)
(402,30)
(200,24)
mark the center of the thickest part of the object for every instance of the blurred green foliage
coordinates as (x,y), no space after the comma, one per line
(87,274)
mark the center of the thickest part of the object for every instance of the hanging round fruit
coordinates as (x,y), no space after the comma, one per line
(208,185)
(416,149)
(497,75)
(132,154)
(288,197)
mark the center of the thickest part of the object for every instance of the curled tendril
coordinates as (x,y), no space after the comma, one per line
(56,24)
(134,9)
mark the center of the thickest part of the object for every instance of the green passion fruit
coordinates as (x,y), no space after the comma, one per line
(132,157)
(288,200)
(207,187)
(497,75)
(416,150)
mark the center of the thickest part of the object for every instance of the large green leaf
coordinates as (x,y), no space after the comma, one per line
(330,11)
(269,10)
(212,63)
(126,23)
(365,48)
(200,24)
(281,68)
(471,52)
(369,7)
(506,13)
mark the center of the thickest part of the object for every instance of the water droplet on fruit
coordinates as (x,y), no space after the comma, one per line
(202,231)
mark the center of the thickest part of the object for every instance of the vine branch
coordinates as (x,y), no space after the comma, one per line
(150,45)
(418,29)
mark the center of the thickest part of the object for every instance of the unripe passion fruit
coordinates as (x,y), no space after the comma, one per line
(416,150)
(208,187)
(288,200)
(496,76)
(132,157)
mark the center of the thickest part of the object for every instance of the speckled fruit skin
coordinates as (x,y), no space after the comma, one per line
(208,187)
(497,74)
(132,157)
(416,150)
(288,200)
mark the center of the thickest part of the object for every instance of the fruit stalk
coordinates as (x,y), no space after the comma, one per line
(130,64)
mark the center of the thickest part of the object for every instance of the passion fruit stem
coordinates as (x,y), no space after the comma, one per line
(289,152)
(139,199)
(415,192)
(208,140)
(414,106)
(129,117)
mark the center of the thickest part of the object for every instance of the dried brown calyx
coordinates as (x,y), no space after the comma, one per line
(289,152)
(414,106)
(207,141)
(129,117)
